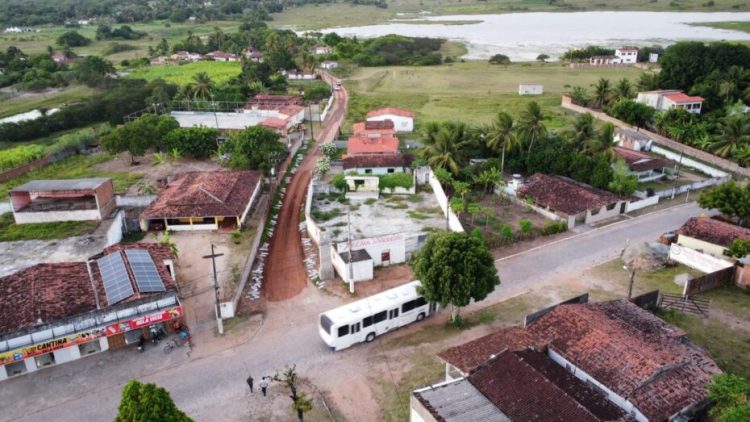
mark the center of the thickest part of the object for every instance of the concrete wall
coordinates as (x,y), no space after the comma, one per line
(329,104)
(530,89)
(395,244)
(437,189)
(139,201)
(312,227)
(688,162)
(54,216)
(417,411)
(643,203)
(604,213)
(361,271)
(717,251)
(250,203)
(695,259)
(114,233)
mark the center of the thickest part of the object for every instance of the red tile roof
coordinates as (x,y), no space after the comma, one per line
(390,110)
(222,55)
(641,161)
(275,123)
(363,145)
(469,356)
(713,231)
(681,97)
(372,131)
(565,195)
(43,294)
(205,194)
(377,160)
(529,386)
(291,110)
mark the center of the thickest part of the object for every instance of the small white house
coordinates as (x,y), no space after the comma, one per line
(530,89)
(322,50)
(357,266)
(362,187)
(670,99)
(653,57)
(403,120)
(604,60)
(329,64)
(627,55)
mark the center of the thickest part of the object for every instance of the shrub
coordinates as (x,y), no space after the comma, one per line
(390,181)
(339,181)
(526,226)
(322,165)
(507,231)
(554,227)
(18,156)
(329,149)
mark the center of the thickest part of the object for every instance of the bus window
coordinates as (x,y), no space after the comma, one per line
(355,328)
(343,330)
(380,317)
(420,302)
(408,306)
(326,323)
(393,313)
(367,322)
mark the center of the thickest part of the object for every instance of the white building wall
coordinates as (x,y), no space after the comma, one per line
(192,227)
(530,89)
(400,123)
(54,216)
(688,162)
(67,354)
(651,99)
(394,244)
(361,270)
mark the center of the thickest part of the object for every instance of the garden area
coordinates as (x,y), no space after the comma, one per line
(10,231)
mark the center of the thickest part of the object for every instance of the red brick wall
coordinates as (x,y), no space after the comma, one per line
(106,197)
(10,174)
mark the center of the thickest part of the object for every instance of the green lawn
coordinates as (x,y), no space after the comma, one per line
(55,98)
(735,26)
(38,42)
(10,231)
(472,92)
(183,74)
(74,167)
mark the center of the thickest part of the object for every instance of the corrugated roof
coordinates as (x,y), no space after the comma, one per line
(459,401)
(60,185)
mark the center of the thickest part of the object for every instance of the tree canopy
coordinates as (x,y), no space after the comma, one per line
(732,200)
(136,137)
(454,269)
(731,393)
(197,142)
(254,148)
(147,403)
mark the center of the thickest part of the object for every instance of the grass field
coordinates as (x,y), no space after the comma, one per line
(313,17)
(10,231)
(183,74)
(49,99)
(735,26)
(472,92)
(38,42)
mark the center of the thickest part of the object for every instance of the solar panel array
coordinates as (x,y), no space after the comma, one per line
(147,277)
(116,281)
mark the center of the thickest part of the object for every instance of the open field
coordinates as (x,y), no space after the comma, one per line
(183,74)
(734,26)
(313,17)
(51,98)
(472,92)
(38,42)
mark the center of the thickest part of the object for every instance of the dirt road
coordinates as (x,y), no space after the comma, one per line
(285,271)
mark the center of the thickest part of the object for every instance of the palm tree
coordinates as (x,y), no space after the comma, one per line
(444,145)
(743,156)
(602,92)
(648,81)
(603,144)
(203,85)
(579,96)
(734,136)
(530,125)
(583,130)
(732,81)
(623,89)
(487,178)
(500,136)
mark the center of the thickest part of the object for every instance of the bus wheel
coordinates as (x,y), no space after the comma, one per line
(420,316)
(370,337)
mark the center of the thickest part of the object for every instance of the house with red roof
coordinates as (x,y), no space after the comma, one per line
(362,145)
(53,313)
(644,166)
(374,128)
(665,100)
(403,120)
(203,201)
(710,235)
(222,56)
(608,361)
(280,126)
(254,54)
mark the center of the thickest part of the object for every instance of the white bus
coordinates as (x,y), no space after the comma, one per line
(370,317)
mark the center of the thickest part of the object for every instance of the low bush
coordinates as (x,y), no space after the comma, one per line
(338,181)
(554,227)
(20,155)
(394,180)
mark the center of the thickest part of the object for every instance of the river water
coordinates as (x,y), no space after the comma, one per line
(523,36)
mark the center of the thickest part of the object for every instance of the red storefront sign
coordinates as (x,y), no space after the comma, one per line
(50,346)
(144,320)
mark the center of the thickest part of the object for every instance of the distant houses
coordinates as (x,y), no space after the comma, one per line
(623,56)
(665,100)
(530,89)
(222,56)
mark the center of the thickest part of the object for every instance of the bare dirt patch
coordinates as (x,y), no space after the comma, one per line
(384,278)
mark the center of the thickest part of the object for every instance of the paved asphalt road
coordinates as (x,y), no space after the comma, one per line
(212,388)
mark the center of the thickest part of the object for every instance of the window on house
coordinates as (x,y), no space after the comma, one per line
(391,170)
(368,171)
(359,183)
(610,207)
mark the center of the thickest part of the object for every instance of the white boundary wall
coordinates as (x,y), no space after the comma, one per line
(437,189)
(688,162)
(324,114)
(312,228)
(114,233)
(134,200)
(643,203)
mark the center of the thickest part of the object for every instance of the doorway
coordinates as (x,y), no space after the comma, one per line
(385,257)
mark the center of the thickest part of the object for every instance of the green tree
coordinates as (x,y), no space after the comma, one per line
(455,268)
(254,148)
(579,96)
(500,59)
(139,135)
(147,403)
(601,174)
(531,126)
(633,113)
(734,135)
(92,70)
(603,143)
(648,81)
(623,89)
(72,39)
(739,248)
(488,179)
(732,201)
(622,182)
(300,403)
(501,137)
(445,145)
(602,92)
(731,393)
(583,130)
(542,58)
(197,142)
(203,86)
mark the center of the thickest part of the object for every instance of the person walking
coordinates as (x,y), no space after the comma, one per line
(250,383)
(264,385)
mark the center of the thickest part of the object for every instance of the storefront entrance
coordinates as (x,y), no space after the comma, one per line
(15,368)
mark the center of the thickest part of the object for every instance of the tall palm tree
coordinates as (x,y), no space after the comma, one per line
(648,81)
(500,136)
(623,89)
(530,126)
(444,145)
(603,144)
(732,82)
(583,130)
(734,136)
(602,92)
(203,85)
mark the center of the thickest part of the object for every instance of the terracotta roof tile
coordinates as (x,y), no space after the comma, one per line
(641,161)
(205,194)
(377,160)
(681,97)
(274,123)
(713,231)
(565,195)
(364,145)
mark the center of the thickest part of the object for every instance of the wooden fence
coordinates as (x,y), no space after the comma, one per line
(685,304)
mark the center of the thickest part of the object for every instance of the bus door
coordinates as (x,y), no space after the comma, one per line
(433,307)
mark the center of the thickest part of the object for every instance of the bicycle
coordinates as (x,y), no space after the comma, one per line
(171,345)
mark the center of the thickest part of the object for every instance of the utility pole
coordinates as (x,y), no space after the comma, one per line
(677,173)
(213,256)
(351,268)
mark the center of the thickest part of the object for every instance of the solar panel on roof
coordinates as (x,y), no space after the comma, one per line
(147,277)
(115,277)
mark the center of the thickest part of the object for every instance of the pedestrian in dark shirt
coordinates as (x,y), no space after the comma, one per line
(264,385)
(250,382)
